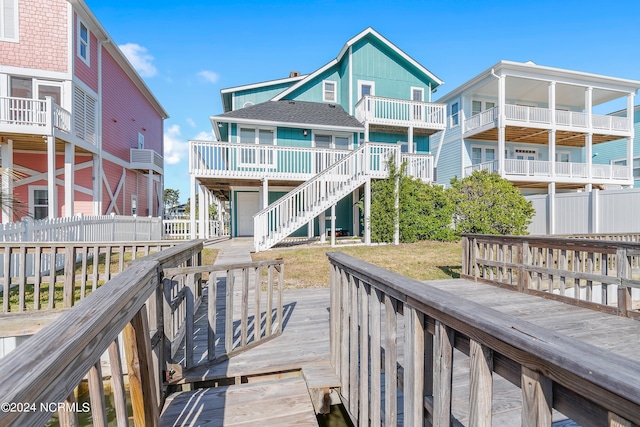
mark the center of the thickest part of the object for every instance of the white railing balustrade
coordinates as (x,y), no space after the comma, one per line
(23,111)
(419,166)
(481,119)
(491,167)
(144,158)
(401,112)
(527,167)
(620,123)
(229,159)
(571,119)
(527,114)
(181,229)
(572,170)
(83,228)
(61,119)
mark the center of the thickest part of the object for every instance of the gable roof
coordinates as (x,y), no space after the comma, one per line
(345,49)
(294,113)
(225,94)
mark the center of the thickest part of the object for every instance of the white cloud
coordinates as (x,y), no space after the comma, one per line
(190,122)
(205,136)
(209,76)
(175,148)
(139,58)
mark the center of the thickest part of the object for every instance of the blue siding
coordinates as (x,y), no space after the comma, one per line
(606,152)
(312,91)
(449,161)
(257,95)
(292,137)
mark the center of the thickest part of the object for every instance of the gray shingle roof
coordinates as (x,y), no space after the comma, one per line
(303,112)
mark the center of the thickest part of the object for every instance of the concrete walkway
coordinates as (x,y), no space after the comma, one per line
(233,251)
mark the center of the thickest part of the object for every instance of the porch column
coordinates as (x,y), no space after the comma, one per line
(322,227)
(97,184)
(192,207)
(7,180)
(355,198)
(69,179)
(366,131)
(588,102)
(265,193)
(501,123)
(367,211)
(551,214)
(201,212)
(333,225)
(630,139)
(410,139)
(52,192)
(552,132)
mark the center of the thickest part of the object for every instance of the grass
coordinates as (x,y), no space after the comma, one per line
(308,267)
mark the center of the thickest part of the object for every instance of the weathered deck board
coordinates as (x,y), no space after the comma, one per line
(282,403)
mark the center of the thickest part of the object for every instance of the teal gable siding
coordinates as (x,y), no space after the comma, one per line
(312,91)
(257,95)
(422,141)
(375,62)
(292,137)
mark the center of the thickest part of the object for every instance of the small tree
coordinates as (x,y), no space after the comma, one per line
(485,203)
(213,210)
(171,198)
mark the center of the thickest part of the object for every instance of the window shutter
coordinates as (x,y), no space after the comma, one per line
(90,119)
(8,28)
(78,112)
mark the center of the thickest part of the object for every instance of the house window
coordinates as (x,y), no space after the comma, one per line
(84,117)
(140,141)
(482,155)
(83,42)
(340,142)
(366,88)
(329,91)
(478,107)
(134,204)
(454,114)
(9,20)
(525,154)
(21,87)
(417,94)
(563,156)
(255,155)
(39,202)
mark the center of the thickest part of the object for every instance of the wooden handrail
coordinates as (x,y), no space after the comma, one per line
(435,322)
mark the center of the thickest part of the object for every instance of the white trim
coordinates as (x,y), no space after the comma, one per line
(16,21)
(483,105)
(34,73)
(559,152)
(333,139)
(262,84)
(345,49)
(624,159)
(457,114)
(416,88)
(351,80)
(324,91)
(268,123)
(257,136)
(31,190)
(80,42)
(483,153)
(366,83)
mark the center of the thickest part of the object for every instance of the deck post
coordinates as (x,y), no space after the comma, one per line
(624,292)
(481,384)
(390,361)
(413,367)
(443,378)
(536,398)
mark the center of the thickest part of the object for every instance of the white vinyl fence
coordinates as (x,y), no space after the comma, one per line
(181,229)
(595,212)
(81,228)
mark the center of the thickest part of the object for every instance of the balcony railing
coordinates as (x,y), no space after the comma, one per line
(146,159)
(33,115)
(419,166)
(564,170)
(228,159)
(537,116)
(400,112)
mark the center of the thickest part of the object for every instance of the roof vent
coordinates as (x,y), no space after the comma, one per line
(292,102)
(294,74)
(332,106)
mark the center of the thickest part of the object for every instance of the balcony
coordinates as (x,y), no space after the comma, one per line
(523,116)
(540,171)
(145,160)
(403,113)
(33,116)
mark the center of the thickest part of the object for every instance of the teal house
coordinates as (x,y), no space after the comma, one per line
(294,156)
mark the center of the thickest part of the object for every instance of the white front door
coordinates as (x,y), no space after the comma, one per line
(247,205)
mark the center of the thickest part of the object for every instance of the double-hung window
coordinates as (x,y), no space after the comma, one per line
(9,20)
(84,47)
(478,107)
(455,119)
(329,91)
(260,154)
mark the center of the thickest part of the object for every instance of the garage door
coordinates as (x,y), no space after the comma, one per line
(248,204)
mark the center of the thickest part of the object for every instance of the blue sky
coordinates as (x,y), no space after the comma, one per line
(188,50)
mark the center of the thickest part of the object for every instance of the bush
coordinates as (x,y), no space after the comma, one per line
(485,203)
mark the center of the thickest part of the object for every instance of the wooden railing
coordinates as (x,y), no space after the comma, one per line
(40,376)
(598,274)
(259,309)
(58,275)
(392,330)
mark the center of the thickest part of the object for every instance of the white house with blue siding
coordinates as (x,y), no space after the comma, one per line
(294,155)
(536,126)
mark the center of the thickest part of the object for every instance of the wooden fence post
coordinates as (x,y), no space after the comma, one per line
(536,398)
(624,292)
(69,275)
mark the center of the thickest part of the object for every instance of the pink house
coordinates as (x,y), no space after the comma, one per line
(78,126)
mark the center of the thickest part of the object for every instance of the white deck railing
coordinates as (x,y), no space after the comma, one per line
(535,115)
(229,159)
(146,159)
(419,166)
(81,228)
(181,229)
(400,112)
(542,169)
(34,114)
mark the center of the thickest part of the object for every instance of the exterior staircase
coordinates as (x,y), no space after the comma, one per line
(310,199)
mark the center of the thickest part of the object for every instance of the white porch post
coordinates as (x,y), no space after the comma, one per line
(552,132)
(588,102)
(192,207)
(7,180)
(501,123)
(551,220)
(333,225)
(366,131)
(265,193)
(97,184)
(52,192)
(630,139)
(322,227)
(410,139)
(69,179)
(355,197)
(202,217)
(367,211)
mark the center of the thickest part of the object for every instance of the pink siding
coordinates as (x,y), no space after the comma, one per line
(38,162)
(143,205)
(125,112)
(89,75)
(113,173)
(43,33)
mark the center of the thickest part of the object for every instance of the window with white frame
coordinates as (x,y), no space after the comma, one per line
(563,156)
(257,155)
(329,91)
(417,94)
(38,202)
(9,30)
(337,141)
(525,154)
(455,118)
(478,107)
(636,165)
(481,154)
(84,37)
(365,88)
